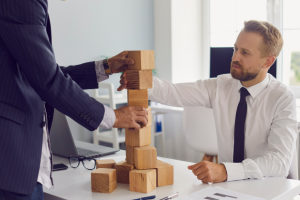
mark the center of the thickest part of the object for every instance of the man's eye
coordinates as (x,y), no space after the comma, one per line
(245,52)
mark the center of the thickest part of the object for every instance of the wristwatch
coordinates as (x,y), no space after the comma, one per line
(107,68)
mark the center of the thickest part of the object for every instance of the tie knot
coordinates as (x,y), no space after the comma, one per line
(244,92)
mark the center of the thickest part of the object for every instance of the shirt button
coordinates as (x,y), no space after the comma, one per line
(91,122)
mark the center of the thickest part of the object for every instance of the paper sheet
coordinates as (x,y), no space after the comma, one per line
(218,193)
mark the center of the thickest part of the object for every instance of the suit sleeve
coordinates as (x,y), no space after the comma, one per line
(22,28)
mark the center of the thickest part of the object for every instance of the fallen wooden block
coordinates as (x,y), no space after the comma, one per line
(130,154)
(137,98)
(104,180)
(138,138)
(164,174)
(143,60)
(108,163)
(142,180)
(139,79)
(123,168)
(145,157)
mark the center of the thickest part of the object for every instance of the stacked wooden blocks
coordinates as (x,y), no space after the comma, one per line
(141,169)
(149,173)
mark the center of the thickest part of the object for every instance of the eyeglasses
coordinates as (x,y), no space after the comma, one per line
(88,163)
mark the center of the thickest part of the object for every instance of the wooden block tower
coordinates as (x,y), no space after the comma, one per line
(144,177)
(141,169)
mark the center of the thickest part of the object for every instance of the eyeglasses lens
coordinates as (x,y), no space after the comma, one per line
(89,163)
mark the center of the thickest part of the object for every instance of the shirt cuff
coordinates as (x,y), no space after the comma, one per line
(100,71)
(109,118)
(235,171)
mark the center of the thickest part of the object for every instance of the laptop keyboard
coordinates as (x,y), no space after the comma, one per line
(87,153)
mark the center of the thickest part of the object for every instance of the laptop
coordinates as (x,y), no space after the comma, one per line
(62,143)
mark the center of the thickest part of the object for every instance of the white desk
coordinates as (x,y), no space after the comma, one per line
(75,184)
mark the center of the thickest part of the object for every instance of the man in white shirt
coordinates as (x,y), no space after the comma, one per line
(255,114)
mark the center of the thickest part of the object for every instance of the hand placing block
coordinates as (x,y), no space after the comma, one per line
(138,98)
(104,180)
(123,168)
(145,157)
(138,138)
(142,180)
(139,79)
(108,163)
(149,118)
(164,174)
(143,60)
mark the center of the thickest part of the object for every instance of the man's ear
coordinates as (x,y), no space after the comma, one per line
(269,62)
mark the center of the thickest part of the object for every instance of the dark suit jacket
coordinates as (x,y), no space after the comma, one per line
(29,77)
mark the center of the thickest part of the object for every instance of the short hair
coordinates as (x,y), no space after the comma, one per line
(272,37)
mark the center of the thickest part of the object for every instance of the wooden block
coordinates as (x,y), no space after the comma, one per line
(138,138)
(139,79)
(123,168)
(108,163)
(143,60)
(138,98)
(142,180)
(145,157)
(130,154)
(104,180)
(164,174)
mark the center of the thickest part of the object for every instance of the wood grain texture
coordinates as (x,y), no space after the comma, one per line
(104,180)
(145,157)
(143,60)
(130,154)
(137,98)
(142,180)
(108,163)
(164,174)
(139,79)
(123,168)
(138,138)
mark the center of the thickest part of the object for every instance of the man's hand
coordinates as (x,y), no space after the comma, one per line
(209,172)
(131,117)
(120,62)
(123,82)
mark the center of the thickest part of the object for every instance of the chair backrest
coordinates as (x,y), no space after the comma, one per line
(200,130)
(106,99)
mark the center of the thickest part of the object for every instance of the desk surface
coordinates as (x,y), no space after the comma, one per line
(76,184)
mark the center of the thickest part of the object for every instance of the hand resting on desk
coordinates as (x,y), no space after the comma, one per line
(209,172)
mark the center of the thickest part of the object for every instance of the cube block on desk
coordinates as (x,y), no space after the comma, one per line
(138,138)
(164,174)
(143,60)
(104,180)
(138,98)
(145,157)
(108,163)
(139,79)
(142,180)
(123,168)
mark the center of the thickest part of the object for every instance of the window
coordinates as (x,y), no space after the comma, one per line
(227,19)
(291,47)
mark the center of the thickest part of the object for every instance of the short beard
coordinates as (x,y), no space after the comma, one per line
(243,76)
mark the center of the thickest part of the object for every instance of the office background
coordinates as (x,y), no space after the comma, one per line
(181,34)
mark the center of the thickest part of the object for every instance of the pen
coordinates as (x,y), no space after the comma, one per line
(171,196)
(144,198)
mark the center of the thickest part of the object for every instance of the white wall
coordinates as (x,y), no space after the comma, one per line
(85,31)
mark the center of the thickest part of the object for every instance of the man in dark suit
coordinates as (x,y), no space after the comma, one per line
(32,84)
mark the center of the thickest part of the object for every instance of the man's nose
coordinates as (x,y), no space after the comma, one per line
(236,56)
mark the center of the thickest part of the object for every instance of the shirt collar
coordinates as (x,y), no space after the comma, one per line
(257,88)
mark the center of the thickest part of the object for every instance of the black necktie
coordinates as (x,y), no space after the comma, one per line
(239,128)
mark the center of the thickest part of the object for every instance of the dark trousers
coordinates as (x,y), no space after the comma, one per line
(37,194)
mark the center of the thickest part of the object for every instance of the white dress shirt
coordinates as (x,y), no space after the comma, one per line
(45,172)
(270,126)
